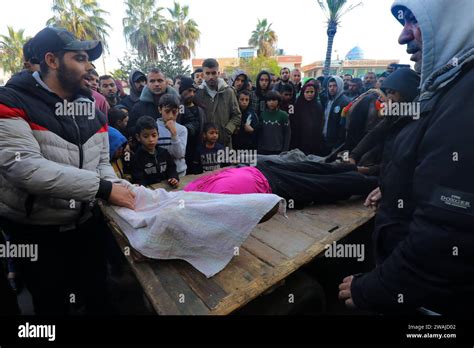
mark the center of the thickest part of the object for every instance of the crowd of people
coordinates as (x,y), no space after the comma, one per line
(416,166)
(203,113)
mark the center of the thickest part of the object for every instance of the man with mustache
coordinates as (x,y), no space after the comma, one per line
(54,165)
(108,88)
(423,237)
(150,96)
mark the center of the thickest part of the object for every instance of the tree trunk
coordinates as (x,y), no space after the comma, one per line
(331,33)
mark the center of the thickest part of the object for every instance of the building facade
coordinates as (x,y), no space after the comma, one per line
(227,64)
(357,68)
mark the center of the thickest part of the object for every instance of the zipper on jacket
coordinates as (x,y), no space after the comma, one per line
(79,144)
(81,160)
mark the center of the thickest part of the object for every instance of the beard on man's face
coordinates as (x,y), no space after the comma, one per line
(72,82)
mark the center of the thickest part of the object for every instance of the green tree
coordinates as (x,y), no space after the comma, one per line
(183,31)
(84,18)
(120,74)
(252,66)
(333,10)
(264,38)
(144,28)
(11,50)
(170,63)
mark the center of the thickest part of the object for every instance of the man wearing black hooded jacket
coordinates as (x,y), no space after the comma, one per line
(423,230)
(137,82)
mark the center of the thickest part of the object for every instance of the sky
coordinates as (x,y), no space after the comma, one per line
(226,25)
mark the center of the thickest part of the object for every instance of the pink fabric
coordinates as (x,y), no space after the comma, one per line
(101,103)
(232,181)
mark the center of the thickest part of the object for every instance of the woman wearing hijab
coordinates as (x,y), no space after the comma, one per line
(307,121)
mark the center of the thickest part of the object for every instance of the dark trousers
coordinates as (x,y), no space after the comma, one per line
(308,181)
(70,267)
(8,302)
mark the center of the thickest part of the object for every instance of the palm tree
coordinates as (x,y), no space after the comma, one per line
(333,10)
(83,18)
(11,50)
(183,31)
(264,38)
(144,28)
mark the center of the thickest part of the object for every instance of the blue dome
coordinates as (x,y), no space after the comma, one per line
(355,54)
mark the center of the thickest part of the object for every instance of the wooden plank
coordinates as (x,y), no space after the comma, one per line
(182,183)
(280,272)
(240,271)
(318,218)
(244,291)
(206,288)
(263,251)
(274,250)
(307,224)
(186,301)
(146,277)
(282,236)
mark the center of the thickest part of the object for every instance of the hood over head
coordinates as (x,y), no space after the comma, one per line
(258,90)
(116,140)
(340,85)
(236,74)
(134,76)
(405,81)
(447,29)
(309,82)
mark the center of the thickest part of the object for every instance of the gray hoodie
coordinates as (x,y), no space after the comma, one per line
(447,27)
(236,74)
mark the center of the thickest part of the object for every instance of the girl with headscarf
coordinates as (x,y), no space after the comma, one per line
(307,120)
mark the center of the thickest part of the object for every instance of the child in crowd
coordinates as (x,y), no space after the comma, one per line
(307,121)
(261,90)
(287,99)
(192,117)
(151,163)
(117,144)
(173,136)
(245,136)
(206,159)
(274,131)
(118,118)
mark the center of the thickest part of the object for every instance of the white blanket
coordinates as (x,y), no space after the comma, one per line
(202,228)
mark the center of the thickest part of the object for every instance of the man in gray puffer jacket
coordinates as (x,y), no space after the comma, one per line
(54,165)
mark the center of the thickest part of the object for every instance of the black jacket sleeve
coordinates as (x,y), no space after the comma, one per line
(433,266)
(171,172)
(190,121)
(136,169)
(375,137)
(356,123)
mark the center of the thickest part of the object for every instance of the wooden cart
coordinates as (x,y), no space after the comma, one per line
(274,250)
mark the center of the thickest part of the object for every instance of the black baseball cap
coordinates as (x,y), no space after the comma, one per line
(52,39)
(28,53)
